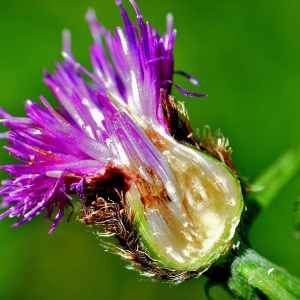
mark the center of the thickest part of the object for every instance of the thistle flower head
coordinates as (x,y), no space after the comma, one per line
(121,144)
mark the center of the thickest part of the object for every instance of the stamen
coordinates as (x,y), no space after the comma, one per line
(66,41)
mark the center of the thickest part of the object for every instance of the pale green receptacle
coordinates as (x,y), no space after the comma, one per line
(194,227)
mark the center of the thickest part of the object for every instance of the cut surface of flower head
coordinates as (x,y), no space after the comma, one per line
(188,222)
(120,143)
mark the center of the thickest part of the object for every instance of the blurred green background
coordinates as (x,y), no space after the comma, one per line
(247,55)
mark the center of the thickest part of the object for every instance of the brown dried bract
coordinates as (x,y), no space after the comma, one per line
(217,145)
(107,185)
(177,119)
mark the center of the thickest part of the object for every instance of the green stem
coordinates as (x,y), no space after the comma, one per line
(269,184)
(252,272)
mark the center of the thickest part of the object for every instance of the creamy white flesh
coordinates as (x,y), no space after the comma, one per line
(195,226)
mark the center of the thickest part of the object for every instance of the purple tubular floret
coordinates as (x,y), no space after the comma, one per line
(97,121)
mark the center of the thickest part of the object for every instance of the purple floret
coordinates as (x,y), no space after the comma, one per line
(100,119)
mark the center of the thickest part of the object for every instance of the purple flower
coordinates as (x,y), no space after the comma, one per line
(95,123)
(117,142)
